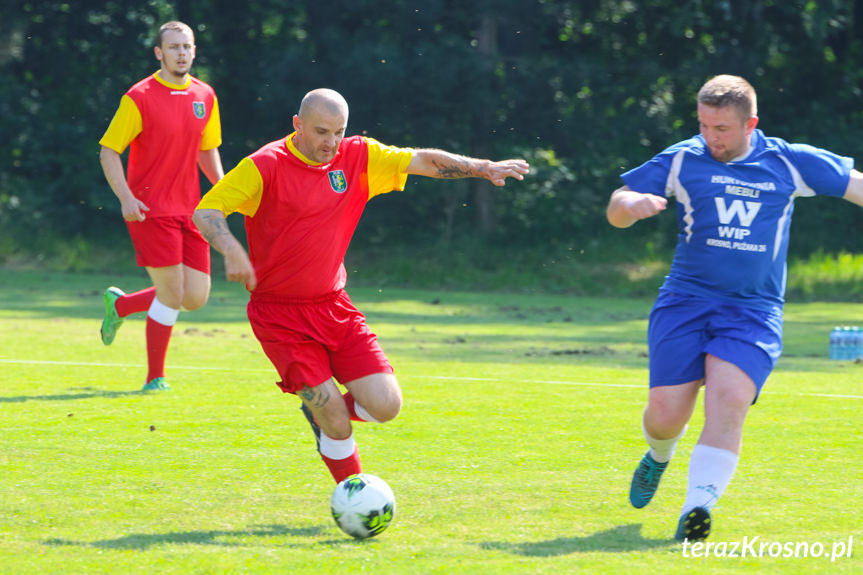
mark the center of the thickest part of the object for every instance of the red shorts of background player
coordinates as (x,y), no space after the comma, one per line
(311,341)
(169,241)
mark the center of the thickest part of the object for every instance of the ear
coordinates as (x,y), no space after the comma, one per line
(158,52)
(751,123)
(298,123)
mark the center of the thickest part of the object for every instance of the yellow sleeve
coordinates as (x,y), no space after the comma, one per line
(239,191)
(213,130)
(124,127)
(387,165)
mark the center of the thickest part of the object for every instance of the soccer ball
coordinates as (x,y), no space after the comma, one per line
(363,505)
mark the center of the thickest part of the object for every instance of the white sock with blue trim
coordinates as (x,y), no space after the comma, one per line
(710,471)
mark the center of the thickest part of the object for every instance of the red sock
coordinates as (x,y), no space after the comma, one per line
(135,302)
(342,468)
(158,336)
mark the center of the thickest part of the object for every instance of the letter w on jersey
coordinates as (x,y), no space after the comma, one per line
(745,212)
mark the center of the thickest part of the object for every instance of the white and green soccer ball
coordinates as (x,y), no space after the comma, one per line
(363,505)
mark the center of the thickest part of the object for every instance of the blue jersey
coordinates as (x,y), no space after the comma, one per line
(734,217)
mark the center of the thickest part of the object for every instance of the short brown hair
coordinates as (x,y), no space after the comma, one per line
(726,90)
(172,26)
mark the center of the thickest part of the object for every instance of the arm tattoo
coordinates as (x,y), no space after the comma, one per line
(454,168)
(317,396)
(215,226)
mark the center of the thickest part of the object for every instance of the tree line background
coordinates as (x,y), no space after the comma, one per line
(582,89)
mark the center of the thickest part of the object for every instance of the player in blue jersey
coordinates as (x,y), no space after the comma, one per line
(717,320)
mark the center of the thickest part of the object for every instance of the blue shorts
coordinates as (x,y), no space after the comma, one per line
(684,328)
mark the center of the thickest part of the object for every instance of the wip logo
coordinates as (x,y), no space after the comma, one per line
(745,212)
(199,109)
(338,182)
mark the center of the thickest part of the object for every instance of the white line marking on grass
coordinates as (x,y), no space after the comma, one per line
(629,385)
(549,382)
(441,377)
(131,365)
(832,395)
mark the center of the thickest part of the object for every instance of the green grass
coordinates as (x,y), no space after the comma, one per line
(513,453)
(598,269)
(827,276)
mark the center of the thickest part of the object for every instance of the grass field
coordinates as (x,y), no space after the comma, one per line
(513,453)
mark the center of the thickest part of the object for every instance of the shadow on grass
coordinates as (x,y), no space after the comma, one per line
(222,538)
(73,394)
(621,538)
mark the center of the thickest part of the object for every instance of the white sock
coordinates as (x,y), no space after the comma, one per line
(710,471)
(661,450)
(337,448)
(163,314)
(363,414)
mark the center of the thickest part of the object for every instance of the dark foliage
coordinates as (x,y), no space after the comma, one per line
(583,89)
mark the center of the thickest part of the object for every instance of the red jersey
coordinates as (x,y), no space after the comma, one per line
(301,216)
(166,125)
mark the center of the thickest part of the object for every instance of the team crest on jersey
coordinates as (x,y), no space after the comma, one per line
(338,182)
(199,109)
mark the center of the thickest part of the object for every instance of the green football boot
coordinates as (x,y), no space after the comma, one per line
(645,481)
(112,321)
(156,384)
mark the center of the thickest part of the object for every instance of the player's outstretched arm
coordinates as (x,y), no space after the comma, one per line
(440,164)
(214,228)
(854,191)
(627,207)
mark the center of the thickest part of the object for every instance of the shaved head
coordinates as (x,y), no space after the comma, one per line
(323,101)
(320,125)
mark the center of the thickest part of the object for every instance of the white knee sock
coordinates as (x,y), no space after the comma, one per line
(661,450)
(163,314)
(337,448)
(710,471)
(363,414)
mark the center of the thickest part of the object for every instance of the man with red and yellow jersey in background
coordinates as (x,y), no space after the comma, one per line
(303,197)
(170,120)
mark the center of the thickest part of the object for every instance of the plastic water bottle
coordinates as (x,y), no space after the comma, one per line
(856,343)
(845,343)
(835,336)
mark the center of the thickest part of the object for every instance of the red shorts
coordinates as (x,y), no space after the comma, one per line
(310,342)
(169,241)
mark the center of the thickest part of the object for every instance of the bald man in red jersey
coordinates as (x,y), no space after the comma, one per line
(170,122)
(303,197)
